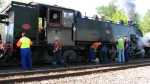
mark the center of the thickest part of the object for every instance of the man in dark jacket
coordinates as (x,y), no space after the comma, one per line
(57,51)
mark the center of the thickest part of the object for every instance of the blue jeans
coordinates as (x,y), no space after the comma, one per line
(121,57)
(26,62)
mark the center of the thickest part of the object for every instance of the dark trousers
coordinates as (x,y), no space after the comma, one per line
(104,55)
(58,57)
(26,62)
(126,54)
(91,55)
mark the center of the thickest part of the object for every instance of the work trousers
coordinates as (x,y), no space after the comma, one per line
(104,55)
(58,59)
(91,55)
(126,54)
(126,51)
(26,61)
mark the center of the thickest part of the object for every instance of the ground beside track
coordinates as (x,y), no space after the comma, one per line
(128,76)
(68,78)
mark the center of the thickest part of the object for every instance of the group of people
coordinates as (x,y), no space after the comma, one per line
(24,43)
(117,52)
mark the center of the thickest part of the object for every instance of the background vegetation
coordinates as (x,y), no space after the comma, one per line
(114,13)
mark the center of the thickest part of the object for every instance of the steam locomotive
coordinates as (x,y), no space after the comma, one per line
(43,23)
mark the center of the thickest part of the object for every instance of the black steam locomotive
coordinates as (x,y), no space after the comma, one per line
(43,23)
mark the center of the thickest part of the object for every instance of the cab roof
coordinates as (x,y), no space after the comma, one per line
(33,4)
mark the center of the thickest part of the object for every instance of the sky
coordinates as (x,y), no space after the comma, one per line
(88,7)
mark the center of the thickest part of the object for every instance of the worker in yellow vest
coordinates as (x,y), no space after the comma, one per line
(24,44)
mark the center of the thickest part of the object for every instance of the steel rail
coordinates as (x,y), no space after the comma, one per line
(82,72)
(69,68)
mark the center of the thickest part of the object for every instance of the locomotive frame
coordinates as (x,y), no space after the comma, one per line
(43,23)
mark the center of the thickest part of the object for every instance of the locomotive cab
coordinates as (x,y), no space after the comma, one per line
(42,23)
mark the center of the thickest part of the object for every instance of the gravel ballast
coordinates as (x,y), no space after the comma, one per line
(139,75)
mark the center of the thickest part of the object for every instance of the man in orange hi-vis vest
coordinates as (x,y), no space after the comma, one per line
(24,44)
(92,51)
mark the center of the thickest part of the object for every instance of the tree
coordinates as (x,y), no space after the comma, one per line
(107,11)
(111,12)
(119,15)
(145,22)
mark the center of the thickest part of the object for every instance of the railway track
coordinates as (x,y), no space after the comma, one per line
(39,75)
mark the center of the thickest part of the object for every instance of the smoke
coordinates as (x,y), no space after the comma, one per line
(129,7)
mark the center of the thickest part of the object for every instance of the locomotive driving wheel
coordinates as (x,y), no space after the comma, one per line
(70,56)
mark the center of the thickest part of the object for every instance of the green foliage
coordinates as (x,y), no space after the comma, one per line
(119,15)
(111,12)
(145,22)
(107,11)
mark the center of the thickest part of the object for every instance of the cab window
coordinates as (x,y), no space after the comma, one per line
(55,17)
(68,18)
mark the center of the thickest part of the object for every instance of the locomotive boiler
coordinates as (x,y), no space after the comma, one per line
(43,23)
